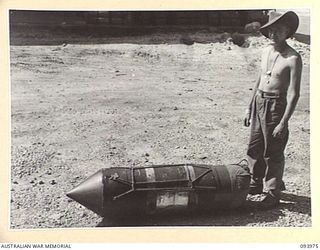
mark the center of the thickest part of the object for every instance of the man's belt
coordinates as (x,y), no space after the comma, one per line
(264,94)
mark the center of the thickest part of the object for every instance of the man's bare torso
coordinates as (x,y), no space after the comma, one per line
(275,69)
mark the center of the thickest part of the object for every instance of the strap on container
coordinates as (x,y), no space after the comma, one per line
(133,184)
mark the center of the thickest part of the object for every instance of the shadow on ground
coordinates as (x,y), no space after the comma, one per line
(250,213)
(298,204)
(35,36)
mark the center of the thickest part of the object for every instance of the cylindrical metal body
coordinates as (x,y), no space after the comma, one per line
(165,188)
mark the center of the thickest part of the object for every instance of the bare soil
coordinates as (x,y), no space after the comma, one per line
(136,101)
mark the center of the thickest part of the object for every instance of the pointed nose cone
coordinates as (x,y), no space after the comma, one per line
(90,193)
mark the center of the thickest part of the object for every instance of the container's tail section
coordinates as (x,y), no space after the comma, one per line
(234,195)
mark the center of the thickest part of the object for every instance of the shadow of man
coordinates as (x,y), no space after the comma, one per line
(296,203)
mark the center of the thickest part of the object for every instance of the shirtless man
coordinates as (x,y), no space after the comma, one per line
(274,99)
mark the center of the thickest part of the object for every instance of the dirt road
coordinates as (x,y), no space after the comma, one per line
(77,108)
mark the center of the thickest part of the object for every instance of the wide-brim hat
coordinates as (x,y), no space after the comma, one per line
(289,18)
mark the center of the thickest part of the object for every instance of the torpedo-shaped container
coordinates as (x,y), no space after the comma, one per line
(163,188)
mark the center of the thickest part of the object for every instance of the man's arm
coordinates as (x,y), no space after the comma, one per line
(248,110)
(255,87)
(294,89)
(292,95)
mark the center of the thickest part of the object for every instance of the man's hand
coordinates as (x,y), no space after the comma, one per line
(280,130)
(247,118)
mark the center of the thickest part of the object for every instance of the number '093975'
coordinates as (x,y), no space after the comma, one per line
(309,246)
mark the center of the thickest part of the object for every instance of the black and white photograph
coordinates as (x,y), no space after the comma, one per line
(159,118)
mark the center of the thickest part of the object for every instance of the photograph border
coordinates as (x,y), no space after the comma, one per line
(159,234)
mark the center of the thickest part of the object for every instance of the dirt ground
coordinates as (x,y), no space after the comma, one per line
(136,101)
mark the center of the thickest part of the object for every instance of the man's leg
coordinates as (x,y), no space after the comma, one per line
(274,150)
(255,152)
(274,158)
